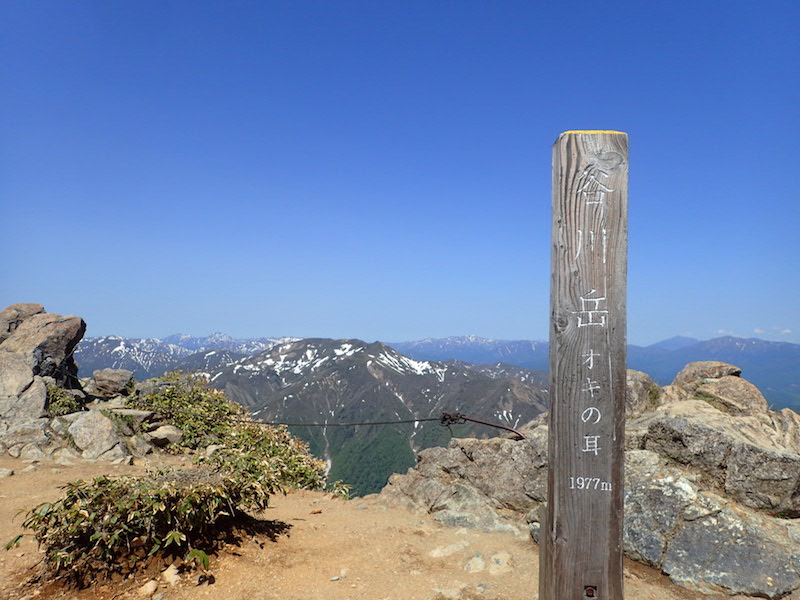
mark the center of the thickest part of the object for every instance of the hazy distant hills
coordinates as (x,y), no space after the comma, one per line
(347,381)
(473,349)
(772,366)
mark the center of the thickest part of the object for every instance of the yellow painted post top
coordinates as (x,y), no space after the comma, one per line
(594,131)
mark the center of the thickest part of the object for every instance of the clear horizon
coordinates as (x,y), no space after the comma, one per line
(382,171)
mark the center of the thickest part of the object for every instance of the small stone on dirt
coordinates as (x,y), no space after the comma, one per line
(500,563)
(171,575)
(475,564)
(443,551)
(148,589)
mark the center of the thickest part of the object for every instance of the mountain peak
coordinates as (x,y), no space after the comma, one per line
(675,343)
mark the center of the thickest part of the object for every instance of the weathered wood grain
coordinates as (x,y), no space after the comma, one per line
(581,538)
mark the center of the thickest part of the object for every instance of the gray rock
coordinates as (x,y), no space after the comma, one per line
(113,382)
(741,456)
(17,374)
(642,393)
(29,432)
(94,434)
(694,373)
(115,403)
(150,386)
(47,341)
(6,473)
(60,425)
(30,404)
(138,446)
(116,454)
(733,551)
(166,434)
(12,316)
(32,452)
(65,454)
(471,483)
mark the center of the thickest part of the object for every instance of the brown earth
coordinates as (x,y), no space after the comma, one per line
(331,549)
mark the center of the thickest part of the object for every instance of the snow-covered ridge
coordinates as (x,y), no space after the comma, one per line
(295,357)
(304,357)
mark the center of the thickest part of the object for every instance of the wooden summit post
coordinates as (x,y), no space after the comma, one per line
(581,536)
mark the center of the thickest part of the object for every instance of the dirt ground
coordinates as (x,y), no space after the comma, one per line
(327,548)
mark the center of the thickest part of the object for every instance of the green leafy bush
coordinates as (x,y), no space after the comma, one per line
(204,415)
(60,403)
(113,525)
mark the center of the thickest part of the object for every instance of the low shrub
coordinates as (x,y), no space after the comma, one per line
(60,403)
(113,525)
(205,416)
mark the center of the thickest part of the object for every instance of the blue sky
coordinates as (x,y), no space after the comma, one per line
(381,170)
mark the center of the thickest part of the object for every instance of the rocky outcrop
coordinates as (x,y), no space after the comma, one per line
(47,341)
(704,540)
(712,479)
(11,317)
(36,366)
(113,382)
(35,349)
(95,434)
(23,395)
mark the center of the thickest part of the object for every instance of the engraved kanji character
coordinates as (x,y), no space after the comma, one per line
(590,242)
(592,189)
(591,444)
(591,313)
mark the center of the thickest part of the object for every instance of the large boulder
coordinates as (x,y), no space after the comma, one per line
(703,540)
(35,352)
(642,394)
(165,435)
(95,435)
(23,395)
(47,341)
(113,382)
(696,372)
(12,316)
(723,430)
(473,483)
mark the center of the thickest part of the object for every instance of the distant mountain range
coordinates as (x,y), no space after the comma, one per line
(291,380)
(152,357)
(350,381)
(772,366)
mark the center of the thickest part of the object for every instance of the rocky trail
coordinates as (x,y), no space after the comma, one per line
(323,547)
